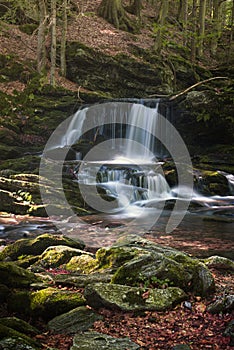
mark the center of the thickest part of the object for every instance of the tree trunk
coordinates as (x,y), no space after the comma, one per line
(53,42)
(41,37)
(194,31)
(183,18)
(135,8)
(231,40)
(114,13)
(161,24)
(201,27)
(63,39)
(216,27)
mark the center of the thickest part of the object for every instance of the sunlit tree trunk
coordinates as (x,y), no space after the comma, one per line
(53,42)
(161,25)
(41,38)
(63,38)
(217,26)
(201,27)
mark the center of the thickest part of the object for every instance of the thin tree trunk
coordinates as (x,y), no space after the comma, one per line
(41,38)
(183,18)
(53,42)
(63,39)
(216,28)
(201,27)
(194,31)
(161,23)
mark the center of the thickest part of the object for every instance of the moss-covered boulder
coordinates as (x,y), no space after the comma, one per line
(37,245)
(150,261)
(14,276)
(74,321)
(127,298)
(98,341)
(55,256)
(51,302)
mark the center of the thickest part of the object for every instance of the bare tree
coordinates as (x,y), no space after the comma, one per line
(201,27)
(63,38)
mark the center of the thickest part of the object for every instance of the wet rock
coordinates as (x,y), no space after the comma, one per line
(219,262)
(76,320)
(38,245)
(14,276)
(224,304)
(99,341)
(127,298)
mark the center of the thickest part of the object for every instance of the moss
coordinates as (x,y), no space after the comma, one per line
(36,246)
(6,332)
(15,276)
(18,325)
(82,264)
(115,257)
(51,302)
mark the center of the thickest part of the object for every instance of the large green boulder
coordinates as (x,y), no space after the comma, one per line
(36,246)
(125,298)
(14,276)
(136,261)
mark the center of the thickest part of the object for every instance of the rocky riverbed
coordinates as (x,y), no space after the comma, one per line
(52,286)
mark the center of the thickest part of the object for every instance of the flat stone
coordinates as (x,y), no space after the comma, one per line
(126,298)
(99,341)
(76,320)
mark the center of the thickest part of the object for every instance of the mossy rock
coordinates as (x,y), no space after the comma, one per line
(37,245)
(17,343)
(83,264)
(55,256)
(220,263)
(7,332)
(99,341)
(153,261)
(114,257)
(125,298)
(83,280)
(15,276)
(74,321)
(19,325)
(51,302)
